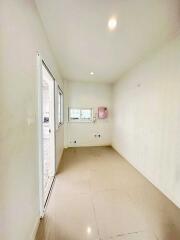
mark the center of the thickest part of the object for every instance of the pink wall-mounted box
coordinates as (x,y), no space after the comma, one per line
(102,112)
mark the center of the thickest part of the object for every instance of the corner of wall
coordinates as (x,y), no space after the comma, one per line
(35,229)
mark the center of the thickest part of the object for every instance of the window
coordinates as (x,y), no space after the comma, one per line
(60,107)
(80,115)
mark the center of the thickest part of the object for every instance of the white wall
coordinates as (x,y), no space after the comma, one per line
(146,123)
(21,35)
(90,95)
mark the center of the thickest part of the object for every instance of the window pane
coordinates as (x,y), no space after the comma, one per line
(74,114)
(59,107)
(86,114)
(62,109)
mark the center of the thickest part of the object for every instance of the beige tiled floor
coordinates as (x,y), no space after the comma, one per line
(98,195)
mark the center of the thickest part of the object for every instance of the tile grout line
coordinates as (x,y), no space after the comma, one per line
(94,211)
(93,206)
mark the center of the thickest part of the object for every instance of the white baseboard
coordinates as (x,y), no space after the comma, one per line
(88,145)
(33,235)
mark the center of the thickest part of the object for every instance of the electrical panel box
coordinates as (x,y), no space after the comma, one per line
(102,112)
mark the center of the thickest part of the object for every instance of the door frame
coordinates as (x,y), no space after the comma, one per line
(40,63)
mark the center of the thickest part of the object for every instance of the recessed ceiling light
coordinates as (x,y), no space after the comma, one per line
(91,73)
(112,23)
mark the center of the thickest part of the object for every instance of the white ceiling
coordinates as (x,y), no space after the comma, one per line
(81,41)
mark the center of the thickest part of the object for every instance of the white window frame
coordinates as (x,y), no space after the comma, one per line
(60,107)
(40,63)
(81,120)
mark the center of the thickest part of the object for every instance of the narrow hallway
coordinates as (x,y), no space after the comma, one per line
(98,195)
(90,116)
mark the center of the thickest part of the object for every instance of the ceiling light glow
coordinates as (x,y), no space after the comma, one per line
(91,73)
(112,23)
(89,230)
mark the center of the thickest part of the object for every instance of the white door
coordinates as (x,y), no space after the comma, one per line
(46,133)
(48,130)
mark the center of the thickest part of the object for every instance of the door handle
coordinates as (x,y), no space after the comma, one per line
(49,130)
